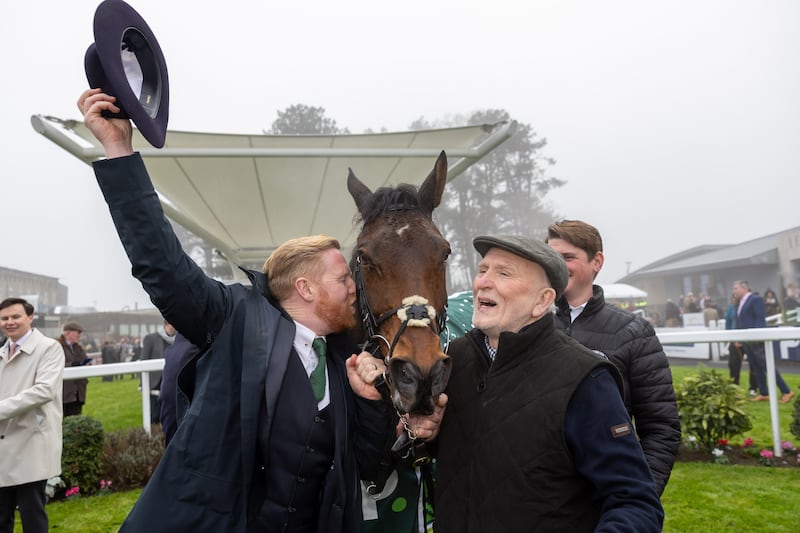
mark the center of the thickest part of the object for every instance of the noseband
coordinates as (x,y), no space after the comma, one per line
(414,311)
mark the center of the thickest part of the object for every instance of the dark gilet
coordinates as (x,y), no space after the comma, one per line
(294,459)
(504,464)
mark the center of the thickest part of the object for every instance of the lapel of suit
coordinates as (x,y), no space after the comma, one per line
(742,314)
(263,349)
(339,346)
(279,358)
(339,405)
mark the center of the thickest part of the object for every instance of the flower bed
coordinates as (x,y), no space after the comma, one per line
(745,453)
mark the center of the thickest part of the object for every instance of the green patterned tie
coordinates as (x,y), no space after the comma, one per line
(317,377)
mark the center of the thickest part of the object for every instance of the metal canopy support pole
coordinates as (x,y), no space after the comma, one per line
(502,133)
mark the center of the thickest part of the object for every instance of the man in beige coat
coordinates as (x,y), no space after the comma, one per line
(31,374)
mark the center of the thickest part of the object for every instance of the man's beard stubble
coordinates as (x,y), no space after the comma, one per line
(340,316)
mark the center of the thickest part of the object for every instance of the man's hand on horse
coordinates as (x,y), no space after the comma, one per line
(425,427)
(115,134)
(362,371)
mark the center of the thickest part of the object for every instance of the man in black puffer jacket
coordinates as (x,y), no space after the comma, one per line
(627,340)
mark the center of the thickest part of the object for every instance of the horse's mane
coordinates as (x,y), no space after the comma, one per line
(404,197)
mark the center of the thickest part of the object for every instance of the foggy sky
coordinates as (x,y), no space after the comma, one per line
(674,124)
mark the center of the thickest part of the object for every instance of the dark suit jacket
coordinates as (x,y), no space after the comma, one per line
(175,358)
(752,314)
(154,347)
(204,478)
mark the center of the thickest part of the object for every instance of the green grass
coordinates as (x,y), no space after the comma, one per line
(700,497)
(117,404)
(98,514)
(711,498)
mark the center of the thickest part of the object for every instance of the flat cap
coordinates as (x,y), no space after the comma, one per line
(537,251)
(72,326)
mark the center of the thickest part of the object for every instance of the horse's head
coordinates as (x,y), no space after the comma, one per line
(399,264)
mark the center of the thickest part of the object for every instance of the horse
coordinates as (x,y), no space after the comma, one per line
(399,264)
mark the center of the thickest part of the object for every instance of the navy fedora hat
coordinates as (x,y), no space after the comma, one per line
(125,61)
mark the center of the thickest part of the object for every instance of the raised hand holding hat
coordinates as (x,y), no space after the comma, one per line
(126,62)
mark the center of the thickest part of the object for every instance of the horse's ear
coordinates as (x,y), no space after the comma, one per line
(358,190)
(430,192)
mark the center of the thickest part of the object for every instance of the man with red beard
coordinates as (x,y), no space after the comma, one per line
(281,422)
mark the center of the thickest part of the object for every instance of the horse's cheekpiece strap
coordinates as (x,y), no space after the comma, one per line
(382,386)
(372,347)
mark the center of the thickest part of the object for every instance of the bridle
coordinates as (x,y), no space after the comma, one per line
(414,311)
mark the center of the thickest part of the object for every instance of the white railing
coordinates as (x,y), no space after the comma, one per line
(787,317)
(667,337)
(141,367)
(767,335)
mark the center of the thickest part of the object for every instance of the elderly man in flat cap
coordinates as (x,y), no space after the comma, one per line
(74,395)
(536,435)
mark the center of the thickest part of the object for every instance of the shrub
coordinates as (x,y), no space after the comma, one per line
(795,425)
(80,459)
(711,407)
(130,456)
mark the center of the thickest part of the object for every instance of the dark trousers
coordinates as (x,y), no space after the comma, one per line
(753,380)
(155,409)
(30,498)
(735,356)
(758,366)
(73,408)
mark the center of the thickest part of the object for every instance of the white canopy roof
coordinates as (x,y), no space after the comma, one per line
(246,194)
(622,291)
